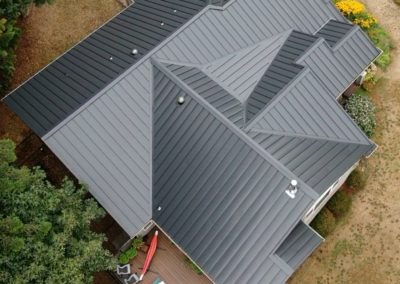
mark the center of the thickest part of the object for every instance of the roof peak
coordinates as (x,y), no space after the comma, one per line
(238,132)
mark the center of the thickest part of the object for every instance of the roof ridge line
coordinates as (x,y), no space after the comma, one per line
(223,7)
(316,44)
(298,135)
(343,40)
(173,62)
(239,133)
(202,71)
(278,97)
(294,62)
(120,77)
(256,45)
(277,35)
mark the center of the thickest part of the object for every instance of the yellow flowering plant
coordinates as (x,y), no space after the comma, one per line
(365,20)
(356,12)
(350,7)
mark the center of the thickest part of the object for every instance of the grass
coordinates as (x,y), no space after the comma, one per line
(382,39)
(362,92)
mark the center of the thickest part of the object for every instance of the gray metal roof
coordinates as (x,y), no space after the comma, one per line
(334,31)
(306,108)
(60,89)
(108,146)
(300,243)
(318,162)
(221,198)
(280,73)
(240,72)
(218,179)
(217,96)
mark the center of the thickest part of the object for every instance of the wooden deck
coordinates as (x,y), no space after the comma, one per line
(168,264)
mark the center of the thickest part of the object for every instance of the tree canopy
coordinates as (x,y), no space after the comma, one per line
(45,234)
(12,9)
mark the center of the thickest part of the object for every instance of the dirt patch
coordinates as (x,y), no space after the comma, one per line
(51,30)
(365,248)
(48,32)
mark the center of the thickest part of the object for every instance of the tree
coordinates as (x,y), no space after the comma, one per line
(12,9)
(9,35)
(45,234)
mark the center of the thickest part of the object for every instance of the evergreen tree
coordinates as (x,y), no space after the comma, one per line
(45,234)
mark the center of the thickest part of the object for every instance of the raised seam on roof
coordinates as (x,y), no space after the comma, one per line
(298,135)
(110,50)
(123,75)
(269,158)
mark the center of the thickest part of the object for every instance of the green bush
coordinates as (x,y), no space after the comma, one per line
(138,243)
(362,110)
(383,40)
(9,35)
(324,223)
(127,256)
(357,180)
(12,9)
(340,204)
(132,252)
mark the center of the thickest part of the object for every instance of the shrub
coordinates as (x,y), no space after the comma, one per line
(397,2)
(12,9)
(132,252)
(365,20)
(127,256)
(340,204)
(357,180)
(356,12)
(350,8)
(138,243)
(382,39)
(362,110)
(324,223)
(9,35)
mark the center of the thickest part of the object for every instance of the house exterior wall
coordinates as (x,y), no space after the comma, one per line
(325,197)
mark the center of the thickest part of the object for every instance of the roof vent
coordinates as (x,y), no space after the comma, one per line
(159,208)
(161,23)
(111,58)
(135,51)
(181,100)
(175,11)
(292,190)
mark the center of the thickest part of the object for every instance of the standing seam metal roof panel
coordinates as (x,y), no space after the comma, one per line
(301,242)
(280,73)
(94,63)
(242,24)
(240,72)
(217,96)
(309,158)
(108,146)
(334,31)
(307,109)
(209,183)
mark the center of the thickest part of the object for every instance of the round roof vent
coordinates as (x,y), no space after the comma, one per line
(181,100)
